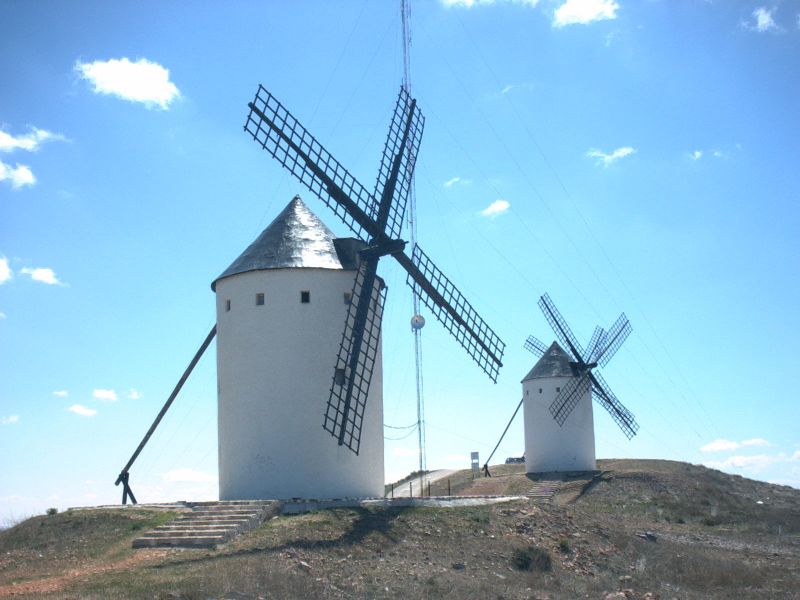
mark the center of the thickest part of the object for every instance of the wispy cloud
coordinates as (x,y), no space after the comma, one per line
(582,12)
(696,155)
(187,476)
(10,420)
(496,208)
(19,175)
(763,21)
(608,159)
(30,141)
(516,86)
(456,181)
(105,395)
(141,81)
(61,393)
(84,411)
(42,275)
(134,394)
(403,451)
(728,445)
(471,3)
(5,270)
(2,316)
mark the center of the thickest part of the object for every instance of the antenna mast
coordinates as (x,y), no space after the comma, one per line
(417,321)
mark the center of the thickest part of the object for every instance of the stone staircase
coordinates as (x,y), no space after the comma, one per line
(208,524)
(543,490)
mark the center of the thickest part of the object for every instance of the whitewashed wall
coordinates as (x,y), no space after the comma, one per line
(549,446)
(275,365)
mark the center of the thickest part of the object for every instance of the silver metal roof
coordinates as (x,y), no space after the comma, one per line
(297,238)
(553,363)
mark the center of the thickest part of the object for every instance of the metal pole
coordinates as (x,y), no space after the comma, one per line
(410,489)
(504,433)
(448,488)
(123,476)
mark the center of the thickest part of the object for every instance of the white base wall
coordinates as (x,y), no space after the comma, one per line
(549,446)
(275,367)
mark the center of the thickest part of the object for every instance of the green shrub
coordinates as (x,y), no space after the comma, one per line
(532,558)
(564,546)
(52,511)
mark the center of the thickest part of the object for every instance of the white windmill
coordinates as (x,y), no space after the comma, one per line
(286,301)
(557,396)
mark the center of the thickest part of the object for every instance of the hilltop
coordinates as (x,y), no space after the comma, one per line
(641,529)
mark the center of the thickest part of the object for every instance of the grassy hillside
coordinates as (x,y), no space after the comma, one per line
(712,536)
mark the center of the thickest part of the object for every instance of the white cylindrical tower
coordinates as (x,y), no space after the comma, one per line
(281,309)
(549,446)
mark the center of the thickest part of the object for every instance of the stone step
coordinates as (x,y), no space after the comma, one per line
(209,524)
(197,541)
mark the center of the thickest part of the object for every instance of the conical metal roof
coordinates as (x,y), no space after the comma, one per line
(297,238)
(553,363)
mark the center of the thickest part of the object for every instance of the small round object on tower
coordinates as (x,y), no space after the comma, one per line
(417,322)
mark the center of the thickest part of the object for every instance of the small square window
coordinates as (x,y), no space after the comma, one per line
(540,390)
(227,305)
(338,377)
(305,297)
(558,389)
(259,299)
(348,297)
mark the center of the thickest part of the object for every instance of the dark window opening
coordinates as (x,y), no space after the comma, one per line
(558,389)
(540,390)
(348,297)
(305,297)
(259,299)
(227,305)
(338,377)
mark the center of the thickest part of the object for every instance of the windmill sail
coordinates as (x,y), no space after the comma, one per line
(376,219)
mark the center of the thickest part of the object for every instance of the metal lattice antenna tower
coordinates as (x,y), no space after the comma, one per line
(405,12)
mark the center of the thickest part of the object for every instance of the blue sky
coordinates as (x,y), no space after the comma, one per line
(621,156)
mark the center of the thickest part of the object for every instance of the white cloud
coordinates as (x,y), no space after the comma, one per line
(141,81)
(2,315)
(10,420)
(43,275)
(471,3)
(727,445)
(581,12)
(5,270)
(496,208)
(30,141)
(749,463)
(720,446)
(763,20)
(134,394)
(61,393)
(84,411)
(187,476)
(696,155)
(607,159)
(756,442)
(19,175)
(452,182)
(106,395)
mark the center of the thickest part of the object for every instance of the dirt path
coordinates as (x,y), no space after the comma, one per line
(57,583)
(404,491)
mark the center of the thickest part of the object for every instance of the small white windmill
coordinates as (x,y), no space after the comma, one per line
(561,386)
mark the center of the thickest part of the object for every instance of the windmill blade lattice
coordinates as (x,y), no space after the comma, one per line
(535,346)
(560,327)
(280,134)
(399,157)
(595,344)
(618,333)
(453,311)
(354,364)
(568,398)
(623,417)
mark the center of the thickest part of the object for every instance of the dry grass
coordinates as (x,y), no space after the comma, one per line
(498,551)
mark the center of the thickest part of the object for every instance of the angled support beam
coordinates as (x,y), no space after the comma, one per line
(124,474)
